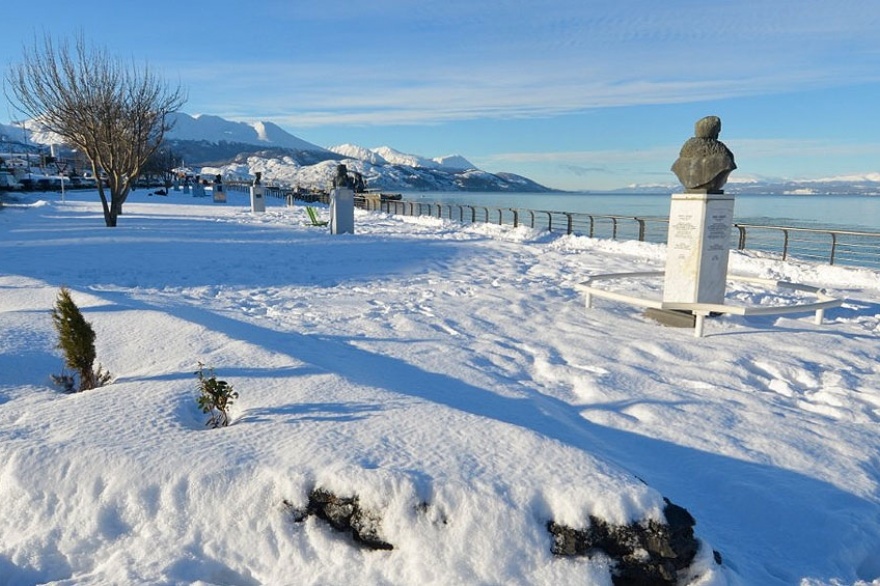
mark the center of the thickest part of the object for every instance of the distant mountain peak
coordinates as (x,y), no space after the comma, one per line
(447,163)
(454,162)
(353,151)
(216,129)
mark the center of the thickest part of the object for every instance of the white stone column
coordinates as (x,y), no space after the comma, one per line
(341,211)
(258,199)
(698,248)
(219,194)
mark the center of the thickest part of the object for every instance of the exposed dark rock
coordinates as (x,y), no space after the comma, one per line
(344,514)
(645,554)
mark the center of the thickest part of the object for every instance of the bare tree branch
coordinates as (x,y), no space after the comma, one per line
(116,114)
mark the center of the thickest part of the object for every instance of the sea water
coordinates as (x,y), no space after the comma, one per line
(840,212)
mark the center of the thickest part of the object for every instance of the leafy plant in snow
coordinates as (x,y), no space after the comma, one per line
(215,397)
(76,339)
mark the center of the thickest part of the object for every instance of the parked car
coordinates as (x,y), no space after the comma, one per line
(8,181)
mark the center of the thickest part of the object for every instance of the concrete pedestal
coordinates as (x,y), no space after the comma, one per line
(698,248)
(341,211)
(258,199)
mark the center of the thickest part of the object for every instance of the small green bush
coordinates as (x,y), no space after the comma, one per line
(76,339)
(215,397)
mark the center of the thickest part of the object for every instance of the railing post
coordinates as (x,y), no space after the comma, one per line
(833,247)
(839,251)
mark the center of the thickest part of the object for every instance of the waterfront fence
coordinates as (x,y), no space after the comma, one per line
(831,246)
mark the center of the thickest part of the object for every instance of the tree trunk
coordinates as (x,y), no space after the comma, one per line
(109,215)
(115,210)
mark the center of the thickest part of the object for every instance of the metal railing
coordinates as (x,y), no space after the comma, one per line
(831,246)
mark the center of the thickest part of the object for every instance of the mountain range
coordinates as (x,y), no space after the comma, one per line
(866,184)
(212,145)
(237,150)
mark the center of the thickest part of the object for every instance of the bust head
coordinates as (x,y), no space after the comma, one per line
(341,179)
(708,127)
(704,162)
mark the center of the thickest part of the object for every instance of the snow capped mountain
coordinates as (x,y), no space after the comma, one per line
(454,162)
(212,145)
(285,159)
(387,155)
(862,184)
(396,157)
(216,129)
(30,132)
(353,151)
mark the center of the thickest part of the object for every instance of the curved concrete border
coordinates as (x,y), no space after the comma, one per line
(701,310)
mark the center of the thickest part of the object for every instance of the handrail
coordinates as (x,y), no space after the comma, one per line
(826,245)
(829,246)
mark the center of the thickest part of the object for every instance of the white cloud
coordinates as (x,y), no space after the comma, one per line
(515,59)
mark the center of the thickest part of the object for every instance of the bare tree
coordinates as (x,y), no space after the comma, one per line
(162,163)
(115,113)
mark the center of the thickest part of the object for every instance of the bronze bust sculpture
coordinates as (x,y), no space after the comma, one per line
(341,179)
(704,162)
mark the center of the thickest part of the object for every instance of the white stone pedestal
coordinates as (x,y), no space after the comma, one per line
(258,199)
(341,211)
(698,247)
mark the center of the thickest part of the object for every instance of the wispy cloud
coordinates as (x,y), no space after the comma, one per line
(436,62)
(304,99)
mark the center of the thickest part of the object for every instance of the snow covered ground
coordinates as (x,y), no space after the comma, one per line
(450,376)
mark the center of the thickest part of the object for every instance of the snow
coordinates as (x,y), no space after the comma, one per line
(215,129)
(454,162)
(353,151)
(396,157)
(448,375)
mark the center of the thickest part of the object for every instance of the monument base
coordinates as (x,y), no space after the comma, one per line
(672,318)
(698,247)
(341,211)
(258,202)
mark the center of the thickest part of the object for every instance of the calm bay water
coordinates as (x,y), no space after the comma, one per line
(843,212)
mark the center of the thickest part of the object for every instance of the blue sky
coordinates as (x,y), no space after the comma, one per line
(576,94)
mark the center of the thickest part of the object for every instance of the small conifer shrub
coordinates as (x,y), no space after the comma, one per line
(215,397)
(76,339)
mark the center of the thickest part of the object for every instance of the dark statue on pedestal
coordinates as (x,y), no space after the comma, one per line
(341,179)
(704,162)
